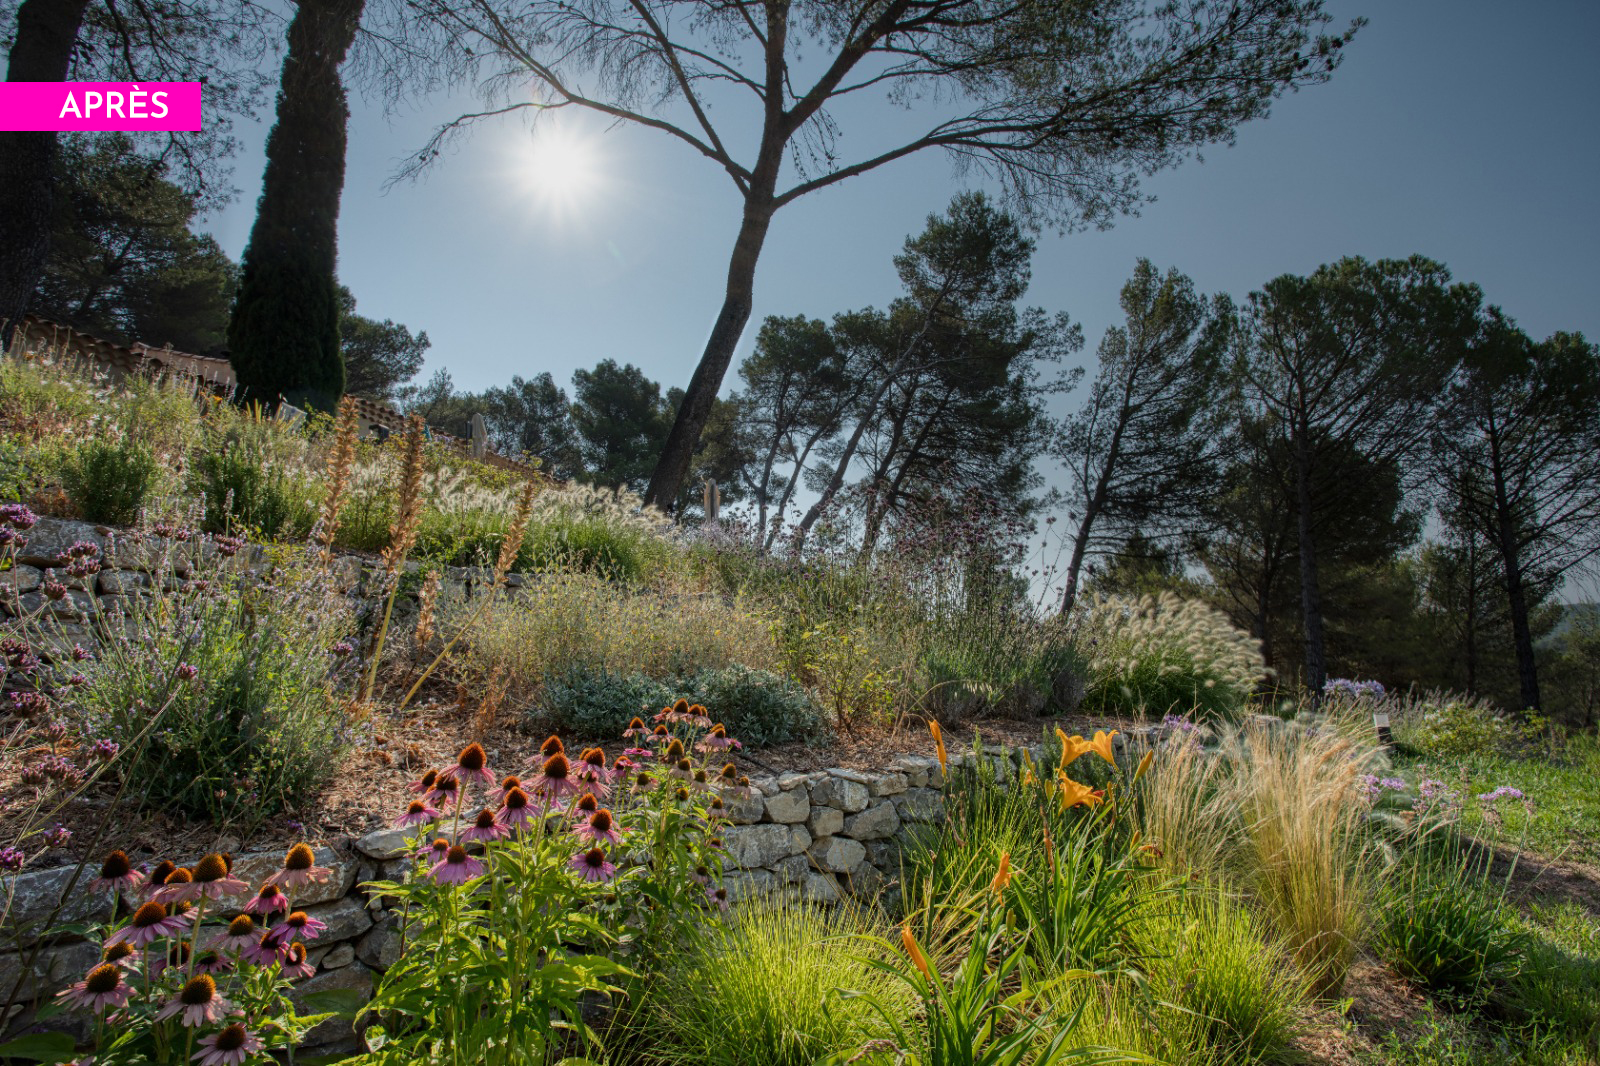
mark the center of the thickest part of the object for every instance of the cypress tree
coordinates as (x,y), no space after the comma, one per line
(284,336)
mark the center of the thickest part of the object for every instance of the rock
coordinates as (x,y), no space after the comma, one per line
(787,807)
(891,784)
(49,540)
(73,604)
(793,870)
(875,823)
(799,839)
(121,582)
(845,793)
(386,843)
(335,1031)
(866,881)
(825,821)
(751,846)
(816,888)
(885,855)
(34,896)
(380,948)
(257,867)
(920,805)
(342,955)
(21,577)
(920,770)
(837,855)
(790,781)
(53,968)
(346,919)
(744,810)
(743,885)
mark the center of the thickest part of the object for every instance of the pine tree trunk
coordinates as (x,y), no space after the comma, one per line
(1516,587)
(284,334)
(1310,591)
(45,34)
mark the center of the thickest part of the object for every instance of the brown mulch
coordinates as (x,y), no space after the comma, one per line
(369,787)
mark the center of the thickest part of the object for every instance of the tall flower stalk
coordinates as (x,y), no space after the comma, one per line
(402,537)
(340,460)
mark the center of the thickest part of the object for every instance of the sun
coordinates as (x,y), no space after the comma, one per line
(561,168)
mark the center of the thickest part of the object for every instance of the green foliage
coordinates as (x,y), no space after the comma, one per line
(1450,725)
(1557,990)
(621,420)
(759,707)
(109,479)
(777,985)
(1444,925)
(258,728)
(379,357)
(244,492)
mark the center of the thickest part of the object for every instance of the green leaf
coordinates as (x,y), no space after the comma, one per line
(341,1001)
(39,1047)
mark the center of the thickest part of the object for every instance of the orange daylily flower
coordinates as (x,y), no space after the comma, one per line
(938,743)
(1101,745)
(1073,794)
(1072,747)
(910,944)
(1003,877)
(1144,765)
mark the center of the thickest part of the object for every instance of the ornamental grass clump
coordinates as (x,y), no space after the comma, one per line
(1154,655)
(196,971)
(524,885)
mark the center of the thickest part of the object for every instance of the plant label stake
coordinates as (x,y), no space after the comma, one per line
(1381,721)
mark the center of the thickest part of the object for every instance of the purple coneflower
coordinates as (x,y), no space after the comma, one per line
(298,926)
(198,1003)
(698,716)
(300,868)
(636,728)
(600,826)
(102,988)
(591,865)
(212,962)
(213,878)
(717,740)
(516,808)
(637,753)
(552,746)
(682,769)
(179,887)
(117,874)
(499,795)
(233,1045)
(150,923)
(295,964)
(158,875)
(264,951)
(122,954)
(434,852)
(555,781)
(270,900)
(717,897)
(177,954)
(485,827)
(457,867)
(239,935)
(417,813)
(426,784)
(444,794)
(471,765)
(586,805)
(700,876)
(674,751)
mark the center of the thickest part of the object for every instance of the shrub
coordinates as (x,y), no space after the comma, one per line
(258,725)
(596,703)
(108,479)
(1451,725)
(242,491)
(1209,956)
(778,985)
(758,706)
(1443,925)
(1155,655)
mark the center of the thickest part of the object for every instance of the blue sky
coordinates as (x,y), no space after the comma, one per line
(1466,131)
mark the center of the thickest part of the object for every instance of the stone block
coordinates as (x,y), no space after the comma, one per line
(122,582)
(920,805)
(22,578)
(825,821)
(53,968)
(35,895)
(258,866)
(792,870)
(890,784)
(76,602)
(866,881)
(885,855)
(921,771)
(339,956)
(380,948)
(789,807)
(816,888)
(875,823)
(346,919)
(743,885)
(335,1032)
(837,855)
(386,843)
(845,793)
(49,540)
(744,809)
(752,846)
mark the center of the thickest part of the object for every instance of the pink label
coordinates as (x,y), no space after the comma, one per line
(72,106)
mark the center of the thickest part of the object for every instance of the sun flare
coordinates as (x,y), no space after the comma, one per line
(561,168)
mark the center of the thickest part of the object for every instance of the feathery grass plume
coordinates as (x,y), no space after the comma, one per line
(340,461)
(427,605)
(402,536)
(511,547)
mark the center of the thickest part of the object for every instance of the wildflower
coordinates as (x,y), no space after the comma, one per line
(1503,792)
(435,852)
(485,827)
(211,961)
(600,826)
(717,897)
(176,956)
(636,728)
(698,716)
(516,808)
(660,734)
(117,874)
(198,1002)
(240,934)
(909,942)
(551,746)
(587,804)
(427,606)
(1074,794)
(717,740)
(426,784)
(123,954)
(938,744)
(158,876)
(457,867)
(1072,748)
(232,1045)
(179,887)
(299,868)
(298,926)
(270,900)
(700,875)
(264,950)
(214,879)
(105,750)
(499,794)
(445,793)
(674,750)
(343,649)
(1002,877)
(188,673)
(417,813)
(102,988)
(150,922)
(1101,745)
(555,780)
(682,769)
(638,753)
(471,765)
(591,865)
(594,760)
